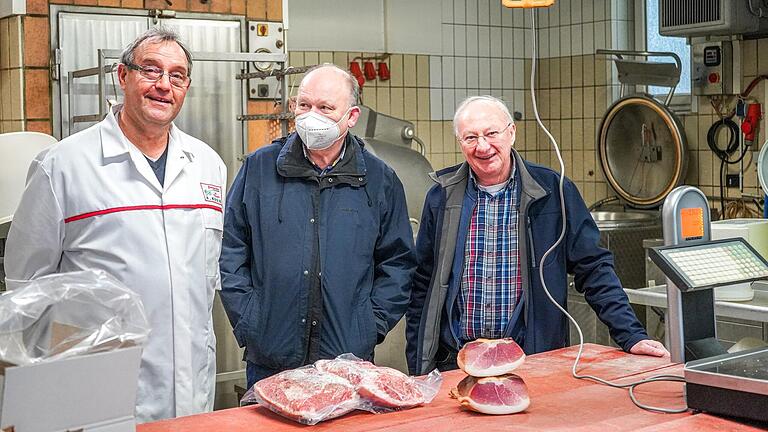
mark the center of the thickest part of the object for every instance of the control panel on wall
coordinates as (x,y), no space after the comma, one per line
(714,64)
(264,37)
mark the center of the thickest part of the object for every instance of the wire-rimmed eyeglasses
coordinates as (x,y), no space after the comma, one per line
(490,136)
(154,73)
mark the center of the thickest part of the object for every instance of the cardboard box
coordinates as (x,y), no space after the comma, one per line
(94,392)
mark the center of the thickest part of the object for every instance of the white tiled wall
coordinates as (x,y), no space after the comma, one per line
(485,45)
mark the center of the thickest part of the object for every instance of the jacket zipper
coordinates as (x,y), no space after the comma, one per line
(531,248)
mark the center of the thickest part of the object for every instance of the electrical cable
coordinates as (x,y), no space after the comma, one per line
(630,385)
(725,154)
(759,12)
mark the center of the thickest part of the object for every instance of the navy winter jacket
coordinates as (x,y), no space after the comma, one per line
(433,315)
(314,265)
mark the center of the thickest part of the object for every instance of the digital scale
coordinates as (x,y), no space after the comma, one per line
(732,384)
(711,264)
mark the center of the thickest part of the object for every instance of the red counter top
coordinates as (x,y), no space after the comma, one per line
(558,402)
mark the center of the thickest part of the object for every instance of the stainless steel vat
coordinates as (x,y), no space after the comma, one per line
(623,233)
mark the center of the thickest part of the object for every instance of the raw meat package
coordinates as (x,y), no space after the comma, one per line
(306,395)
(331,388)
(382,387)
(506,394)
(490,357)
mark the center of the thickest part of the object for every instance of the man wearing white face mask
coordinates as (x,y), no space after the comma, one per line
(317,254)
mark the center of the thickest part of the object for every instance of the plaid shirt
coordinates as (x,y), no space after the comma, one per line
(490,285)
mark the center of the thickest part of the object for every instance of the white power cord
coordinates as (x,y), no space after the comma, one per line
(630,385)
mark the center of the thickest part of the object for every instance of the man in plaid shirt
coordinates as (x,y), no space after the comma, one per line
(484,229)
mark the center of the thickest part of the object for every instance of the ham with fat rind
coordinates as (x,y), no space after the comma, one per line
(307,395)
(382,387)
(490,357)
(506,394)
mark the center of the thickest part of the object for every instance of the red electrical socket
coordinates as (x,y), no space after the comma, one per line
(383,71)
(370,71)
(751,122)
(354,69)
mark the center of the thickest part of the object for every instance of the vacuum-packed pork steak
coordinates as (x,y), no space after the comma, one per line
(307,395)
(383,387)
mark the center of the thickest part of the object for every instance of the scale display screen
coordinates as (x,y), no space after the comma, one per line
(710,264)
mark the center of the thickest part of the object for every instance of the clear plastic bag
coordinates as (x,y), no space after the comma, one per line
(68,314)
(306,395)
(331,388)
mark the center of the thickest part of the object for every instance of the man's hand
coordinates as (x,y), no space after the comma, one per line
(649,347)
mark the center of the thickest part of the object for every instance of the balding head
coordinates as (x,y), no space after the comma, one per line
(491,101)
(332,72)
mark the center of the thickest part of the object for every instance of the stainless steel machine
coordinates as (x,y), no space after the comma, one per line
(641,143)
(623,233)
(391,140)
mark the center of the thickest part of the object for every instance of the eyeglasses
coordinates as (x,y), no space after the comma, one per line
(490,136)
(154,73)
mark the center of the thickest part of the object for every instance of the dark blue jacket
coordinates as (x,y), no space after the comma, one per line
(433,315)
(313,265)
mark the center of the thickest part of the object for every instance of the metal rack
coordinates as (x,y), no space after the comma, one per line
(646,72)
(280,74)
(104,68)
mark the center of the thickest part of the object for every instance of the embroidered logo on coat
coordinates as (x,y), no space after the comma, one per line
(211,193)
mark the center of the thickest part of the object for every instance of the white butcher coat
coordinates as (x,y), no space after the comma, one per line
(93,202)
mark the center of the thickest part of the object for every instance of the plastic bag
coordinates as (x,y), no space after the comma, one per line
(306,395)
(68,314)
(331,388)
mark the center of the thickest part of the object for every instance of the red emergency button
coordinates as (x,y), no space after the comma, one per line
(714,78)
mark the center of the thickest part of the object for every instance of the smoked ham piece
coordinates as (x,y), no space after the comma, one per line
(490,357)
(506,394)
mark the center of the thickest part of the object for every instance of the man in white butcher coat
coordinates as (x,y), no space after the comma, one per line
(136,197)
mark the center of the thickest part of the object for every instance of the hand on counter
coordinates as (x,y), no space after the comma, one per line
(649,347)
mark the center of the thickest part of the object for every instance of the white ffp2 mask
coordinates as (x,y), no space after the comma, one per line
(318,131)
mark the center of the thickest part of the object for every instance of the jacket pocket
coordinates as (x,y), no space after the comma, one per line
(213,224)
(248,320)
(367,330)
(543,231)
(274,335)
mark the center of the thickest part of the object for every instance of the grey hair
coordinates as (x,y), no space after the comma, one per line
(155,35)
(354,93)
(472,99)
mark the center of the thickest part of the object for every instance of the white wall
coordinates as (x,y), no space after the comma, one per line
(336,25)
(394,26)
(413,27)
